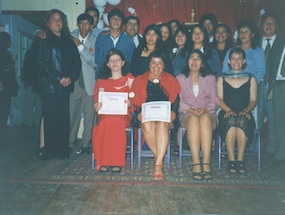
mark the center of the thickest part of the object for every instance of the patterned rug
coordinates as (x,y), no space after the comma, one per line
(78,170)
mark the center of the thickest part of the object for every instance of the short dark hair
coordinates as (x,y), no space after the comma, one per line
(5,40)
(157,54)
(85,16)
(116,12)
(237,50)
(210,17)
(272,15)
(132,17)
(92,9)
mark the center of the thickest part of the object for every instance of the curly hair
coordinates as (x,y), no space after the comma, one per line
(254,31)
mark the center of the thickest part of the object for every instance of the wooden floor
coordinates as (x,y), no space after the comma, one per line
(34,198)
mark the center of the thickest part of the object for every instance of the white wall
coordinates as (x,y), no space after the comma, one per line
(72,8)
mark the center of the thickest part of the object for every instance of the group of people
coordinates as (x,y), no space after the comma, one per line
(199,70)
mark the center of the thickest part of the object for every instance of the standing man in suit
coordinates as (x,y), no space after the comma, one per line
(81,100)
(276,88)
(132,27)
(270,42)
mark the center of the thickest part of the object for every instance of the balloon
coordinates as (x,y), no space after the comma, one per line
(114,2)
(100,3)
(100,24)
(105,18)
(101,10)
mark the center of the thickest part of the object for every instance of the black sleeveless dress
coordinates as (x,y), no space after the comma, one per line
(237,99)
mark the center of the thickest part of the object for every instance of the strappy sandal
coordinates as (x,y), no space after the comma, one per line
(232,168)
(104,169)
(241,167)
(197,175)
(207,175)
(116,169)
(158,176)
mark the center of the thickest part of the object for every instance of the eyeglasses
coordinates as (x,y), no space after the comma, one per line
(132,24)
(55,19)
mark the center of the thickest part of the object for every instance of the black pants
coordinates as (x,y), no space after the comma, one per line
(5,105)
(56,125)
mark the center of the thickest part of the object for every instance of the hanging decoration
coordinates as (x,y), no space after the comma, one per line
(114,2)
(100,3)
(103,17)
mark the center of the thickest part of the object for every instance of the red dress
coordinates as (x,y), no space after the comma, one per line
(109,136)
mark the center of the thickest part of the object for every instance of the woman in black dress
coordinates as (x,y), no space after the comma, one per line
(237,91)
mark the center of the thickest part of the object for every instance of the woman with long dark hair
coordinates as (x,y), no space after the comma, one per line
(200,40)
(151,42)
(198,105)
(58,65)
(222,40)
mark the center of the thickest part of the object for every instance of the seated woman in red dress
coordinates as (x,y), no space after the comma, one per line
(109,136)
(156,85)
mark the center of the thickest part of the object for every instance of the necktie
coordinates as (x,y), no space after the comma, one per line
(267,51)
(282,72)
(80,78)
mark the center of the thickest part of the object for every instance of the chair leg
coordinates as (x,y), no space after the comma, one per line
(180,146)
(258,149)
(219,143)
(139,147)
(168,152)
(132,148)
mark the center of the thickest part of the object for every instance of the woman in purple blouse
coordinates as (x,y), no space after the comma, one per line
(197,111)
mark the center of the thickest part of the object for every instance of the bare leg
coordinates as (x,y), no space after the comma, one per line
(149,134)
(206,136)
(206,142)
(156,136)
(193,136)
(241,141)
(230,142)
(162,137)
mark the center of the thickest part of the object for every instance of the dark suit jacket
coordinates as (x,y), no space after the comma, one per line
(273,61)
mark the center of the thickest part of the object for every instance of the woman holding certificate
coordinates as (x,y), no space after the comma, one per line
(109,135)
(156,85)
(198,104)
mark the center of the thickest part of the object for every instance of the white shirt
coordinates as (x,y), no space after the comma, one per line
(264,41)
(211,39)
(196,90)
(115,40)
(82,40)
(279,76)
(136,40)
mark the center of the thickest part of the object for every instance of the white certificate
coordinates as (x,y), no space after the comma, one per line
(156,111)
(113,103)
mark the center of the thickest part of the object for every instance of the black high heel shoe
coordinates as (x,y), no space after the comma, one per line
(197,175)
